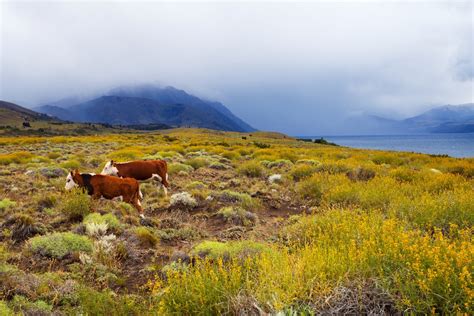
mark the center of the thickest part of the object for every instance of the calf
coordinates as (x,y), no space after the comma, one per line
(106,186)
(140,170)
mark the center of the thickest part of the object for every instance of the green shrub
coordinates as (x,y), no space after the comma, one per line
(405,175)
(261,145)
(110,219)
(232,155)
(243,199)
(17,157)
(175,168)
(197,163)
(173,234)
(31,308)
(311,188)
(388,160)
(196,185)
(332,168)
(279,163)
(250,169)
(238,216)
(126,154)
(361,174)
(54,155)
(75,204)
(6,204)
(58,245)
(5,310)
(232,249)
(302,171)
(71,164)
(146,236)
(93,302)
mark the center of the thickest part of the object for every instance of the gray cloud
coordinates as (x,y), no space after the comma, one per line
(298,68)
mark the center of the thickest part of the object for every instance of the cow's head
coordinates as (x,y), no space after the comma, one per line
(72,180)
(110,169)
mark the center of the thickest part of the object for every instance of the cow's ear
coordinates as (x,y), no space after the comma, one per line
(111,162)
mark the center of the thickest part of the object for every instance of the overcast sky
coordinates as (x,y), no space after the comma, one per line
(297,68)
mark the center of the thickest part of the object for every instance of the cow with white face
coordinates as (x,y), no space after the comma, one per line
(108,187)
(110,169)
(70,184)
(140,170)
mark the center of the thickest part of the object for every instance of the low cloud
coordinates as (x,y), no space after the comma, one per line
(298,68)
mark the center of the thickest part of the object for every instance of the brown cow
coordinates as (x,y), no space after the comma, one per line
(140,170)
(107,186)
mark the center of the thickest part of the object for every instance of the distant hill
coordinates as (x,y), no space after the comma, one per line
(149,104)
(443,119)
(13,114)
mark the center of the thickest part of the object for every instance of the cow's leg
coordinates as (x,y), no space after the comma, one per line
(135,201)
(138,206)
(165,183)
(157,177)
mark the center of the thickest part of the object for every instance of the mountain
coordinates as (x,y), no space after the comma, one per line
(13,114)
(443,119)
(171,95)
(149,104)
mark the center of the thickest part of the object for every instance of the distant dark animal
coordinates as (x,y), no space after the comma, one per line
(26,124)
(140,170)
(107,186)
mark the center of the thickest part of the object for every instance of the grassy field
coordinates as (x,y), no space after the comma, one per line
(254,223)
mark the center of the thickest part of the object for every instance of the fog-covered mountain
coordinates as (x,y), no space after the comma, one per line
(443,119)
(148,104)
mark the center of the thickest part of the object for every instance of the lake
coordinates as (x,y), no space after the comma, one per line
(454,145)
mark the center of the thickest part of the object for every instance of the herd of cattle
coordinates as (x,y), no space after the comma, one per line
(120,180)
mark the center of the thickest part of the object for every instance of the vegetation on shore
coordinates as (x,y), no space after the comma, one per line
(255,223)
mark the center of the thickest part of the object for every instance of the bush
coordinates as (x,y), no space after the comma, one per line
(388,160)
(6,204)
(175,168)
(54,155)
(232,249)
(110,219)
(197,163)
(361,174)
(18,157)
(332,168)
(22,227)
(405,175)
(302,171)
(71,164)
(93,302)
(238,216)
(75,204)
(261,145)
(244,200)
(4,310)
(251,169)
(146,237)
(183,199)
(311,188)
(58,245)
(185,233)
(126,154)
(31,308)
(232,155)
